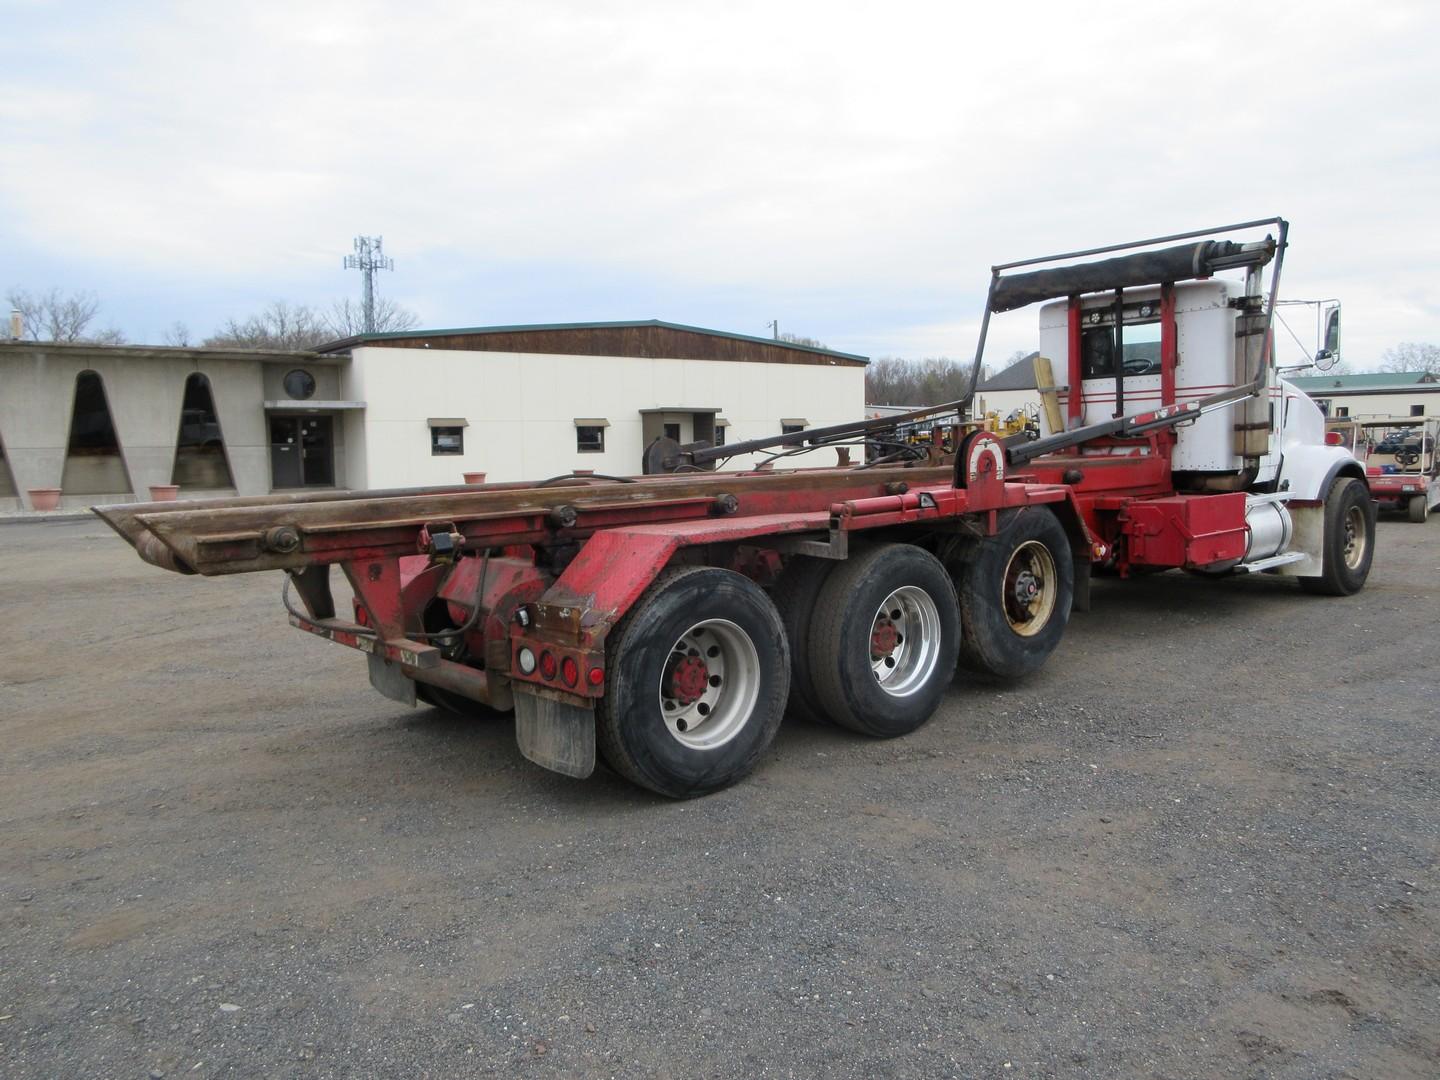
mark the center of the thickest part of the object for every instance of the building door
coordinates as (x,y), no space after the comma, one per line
(302,451)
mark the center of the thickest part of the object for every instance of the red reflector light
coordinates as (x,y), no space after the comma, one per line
(1373,470)
(1334,438)
(548,664)
(362,616)
(595,676)
(569,671)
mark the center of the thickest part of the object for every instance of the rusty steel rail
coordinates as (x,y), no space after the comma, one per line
(287,532)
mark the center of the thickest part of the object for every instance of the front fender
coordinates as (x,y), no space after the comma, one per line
(1308,471)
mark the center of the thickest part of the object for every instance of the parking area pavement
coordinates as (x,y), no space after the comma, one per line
(1204,841)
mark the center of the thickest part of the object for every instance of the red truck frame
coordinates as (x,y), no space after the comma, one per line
(667,623)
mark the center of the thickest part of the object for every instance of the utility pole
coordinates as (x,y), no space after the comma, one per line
(369,256)
(774,324)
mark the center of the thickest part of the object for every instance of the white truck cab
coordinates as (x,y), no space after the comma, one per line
(1272,446)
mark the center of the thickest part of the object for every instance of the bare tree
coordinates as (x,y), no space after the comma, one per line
(1411,356)
(177,334)
(933,381)
(53,316)
(347,317)
(280,326)
(800,339)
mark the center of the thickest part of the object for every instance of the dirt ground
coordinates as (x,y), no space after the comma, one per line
(1205,841)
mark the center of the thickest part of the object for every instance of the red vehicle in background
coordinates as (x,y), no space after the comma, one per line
(1401,462)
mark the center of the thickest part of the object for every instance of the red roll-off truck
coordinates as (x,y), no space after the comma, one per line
(667,622)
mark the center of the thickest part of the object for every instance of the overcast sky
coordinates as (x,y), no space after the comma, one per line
(850,169)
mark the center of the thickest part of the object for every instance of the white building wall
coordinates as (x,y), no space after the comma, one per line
(1365,405)
(521,408)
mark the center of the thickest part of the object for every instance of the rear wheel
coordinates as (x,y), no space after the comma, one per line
(883,641)
(1419,508)
(698,671)
(1015,594)
(1348,543)
(795,595)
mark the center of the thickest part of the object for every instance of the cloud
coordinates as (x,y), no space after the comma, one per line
(805,160)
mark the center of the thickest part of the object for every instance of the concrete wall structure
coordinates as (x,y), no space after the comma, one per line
(144,388)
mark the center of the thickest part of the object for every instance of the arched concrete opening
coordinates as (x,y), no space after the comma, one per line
(7,479)
(94,464)
(200,459)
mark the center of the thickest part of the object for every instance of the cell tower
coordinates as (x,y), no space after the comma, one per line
(369,256)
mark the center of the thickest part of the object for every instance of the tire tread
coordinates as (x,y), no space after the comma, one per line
(795,595)
(828,626)
(610,722)
(1332,580)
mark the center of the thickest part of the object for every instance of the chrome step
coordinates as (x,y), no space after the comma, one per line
(1273,561)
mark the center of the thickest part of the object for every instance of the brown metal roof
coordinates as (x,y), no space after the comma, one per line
(647,339)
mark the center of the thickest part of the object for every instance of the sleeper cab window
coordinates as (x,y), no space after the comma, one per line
(447,436)
(590,434)
(1140,341)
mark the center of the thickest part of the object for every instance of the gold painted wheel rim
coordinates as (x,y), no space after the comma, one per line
(1357,537)
(1030,588)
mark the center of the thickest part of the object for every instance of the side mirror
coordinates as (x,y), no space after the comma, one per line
(1330,342)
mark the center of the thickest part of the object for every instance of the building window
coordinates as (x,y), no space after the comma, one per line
(590,438)
(449,439)
(790,425)
(1342,410)
(199,448)
(299,384)
(720,434)
(672,431)
(1417,410)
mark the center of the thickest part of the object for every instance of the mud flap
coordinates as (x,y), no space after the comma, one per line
(559,736)
(390,680)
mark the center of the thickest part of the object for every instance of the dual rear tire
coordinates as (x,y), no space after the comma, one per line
(704,666)
(1016,590)
(697,676)
(883,640)
(699,671)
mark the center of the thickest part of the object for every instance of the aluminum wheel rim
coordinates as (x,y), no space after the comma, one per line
(905,641)
(731,667)
(1356,537)
(1030,588)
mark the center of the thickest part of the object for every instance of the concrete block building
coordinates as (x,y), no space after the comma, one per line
(104,423)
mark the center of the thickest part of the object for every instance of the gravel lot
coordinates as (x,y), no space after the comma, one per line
(1205,841)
